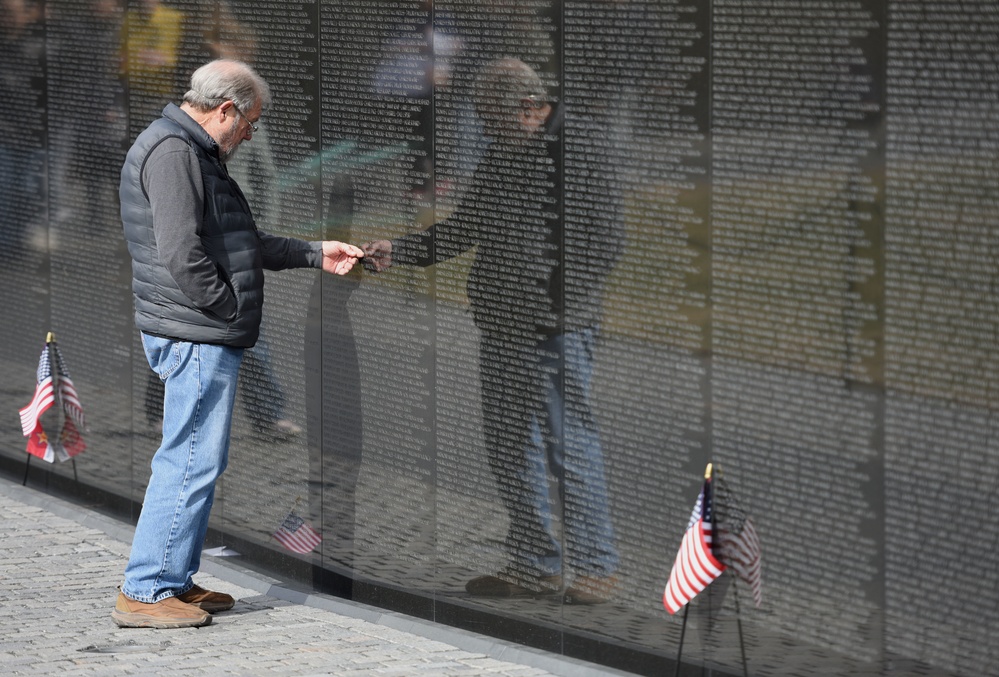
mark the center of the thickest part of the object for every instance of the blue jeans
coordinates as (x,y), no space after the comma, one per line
(565,440)
(21,194)
(200,389)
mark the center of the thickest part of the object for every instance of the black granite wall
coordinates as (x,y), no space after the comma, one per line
(790,207)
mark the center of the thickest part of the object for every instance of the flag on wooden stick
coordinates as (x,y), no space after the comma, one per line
(696,565)
(53,388)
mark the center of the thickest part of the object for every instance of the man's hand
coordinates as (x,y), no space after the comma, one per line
(378,255)
(339,257)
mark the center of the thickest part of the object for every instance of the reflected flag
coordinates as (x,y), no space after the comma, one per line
(67,394)
(297,535)
(48,383)
(695,566)
(738,543)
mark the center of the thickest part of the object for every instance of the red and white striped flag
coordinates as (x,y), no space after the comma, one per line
(297,535)
(44,395)
(738,543)
(696,565)
(70,442)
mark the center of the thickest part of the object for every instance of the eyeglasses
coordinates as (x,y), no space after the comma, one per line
(535,101)
(253,127)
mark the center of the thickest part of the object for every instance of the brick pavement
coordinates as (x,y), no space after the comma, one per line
(60,565)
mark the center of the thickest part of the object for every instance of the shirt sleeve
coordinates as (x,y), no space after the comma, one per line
(172,181)
(280,253)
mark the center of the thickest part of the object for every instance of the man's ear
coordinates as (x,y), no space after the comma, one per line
(225,110)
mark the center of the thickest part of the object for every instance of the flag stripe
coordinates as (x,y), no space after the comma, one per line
(296,543)
(695,566)
(297,535)
(70,400)
(40,403)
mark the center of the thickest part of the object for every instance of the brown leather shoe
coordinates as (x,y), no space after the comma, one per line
(206,600)
(508,584)
(167,613)
(589,590)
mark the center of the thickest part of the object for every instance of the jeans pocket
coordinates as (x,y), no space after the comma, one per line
(163,355)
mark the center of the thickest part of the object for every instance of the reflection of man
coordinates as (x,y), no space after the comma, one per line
(22,162)
(537,337)
(197,278)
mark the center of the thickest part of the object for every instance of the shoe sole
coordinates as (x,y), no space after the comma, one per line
(213,609)
(137,620)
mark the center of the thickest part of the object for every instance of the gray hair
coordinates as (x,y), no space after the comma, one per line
(227,80)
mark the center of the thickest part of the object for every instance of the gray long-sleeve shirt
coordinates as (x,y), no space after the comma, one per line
(171,179)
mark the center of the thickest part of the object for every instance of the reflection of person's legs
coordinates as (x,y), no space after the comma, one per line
(565,441)
(544,443)
(11,206)
(342,421)
(589,531)
(200,390)
(510,394)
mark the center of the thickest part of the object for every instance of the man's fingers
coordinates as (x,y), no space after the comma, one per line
(334,248)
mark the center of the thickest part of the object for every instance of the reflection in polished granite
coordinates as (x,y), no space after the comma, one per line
(806,298)
(430,538)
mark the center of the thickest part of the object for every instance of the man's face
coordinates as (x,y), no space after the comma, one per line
(533,115)
(239,129)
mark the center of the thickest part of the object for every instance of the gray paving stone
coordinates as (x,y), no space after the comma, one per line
(58,582)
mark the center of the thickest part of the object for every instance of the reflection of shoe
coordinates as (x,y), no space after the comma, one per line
(167,613)
(281,429)
(206,600)
(286,428)
(589,590)
(509,584)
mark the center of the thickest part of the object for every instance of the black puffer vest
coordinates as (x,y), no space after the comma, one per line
(228,234)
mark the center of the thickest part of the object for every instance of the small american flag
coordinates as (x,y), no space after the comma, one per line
(70,442)
(44,395)
(297,535)
(738,543)
(696,565)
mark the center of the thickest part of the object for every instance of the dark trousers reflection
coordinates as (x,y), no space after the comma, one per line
(333,413)
(333,403)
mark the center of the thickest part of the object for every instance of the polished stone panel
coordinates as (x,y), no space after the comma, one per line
(766,229)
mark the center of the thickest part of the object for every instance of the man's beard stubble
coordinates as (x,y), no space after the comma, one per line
(228,144)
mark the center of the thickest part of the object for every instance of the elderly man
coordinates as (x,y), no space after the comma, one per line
(197,279)
(535,289)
